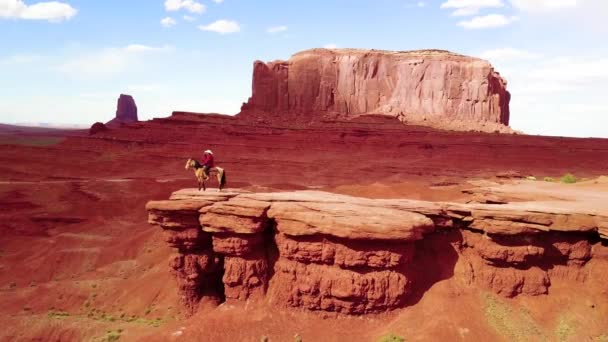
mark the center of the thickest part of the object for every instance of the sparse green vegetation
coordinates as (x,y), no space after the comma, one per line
(99,315)
(564,330)
(391,338)
(569,178)
(513,325)
(112,335)
(57,314)
(549,179)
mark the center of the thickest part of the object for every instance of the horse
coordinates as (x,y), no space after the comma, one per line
(201,177)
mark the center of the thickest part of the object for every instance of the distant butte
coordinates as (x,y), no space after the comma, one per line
(126,111)
(432,88)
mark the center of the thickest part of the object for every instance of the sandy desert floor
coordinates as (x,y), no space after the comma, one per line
(78,260)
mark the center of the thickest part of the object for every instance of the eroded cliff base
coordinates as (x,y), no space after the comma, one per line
(311,251)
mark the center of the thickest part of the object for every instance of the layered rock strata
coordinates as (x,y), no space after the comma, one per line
(323,251)
(427,87)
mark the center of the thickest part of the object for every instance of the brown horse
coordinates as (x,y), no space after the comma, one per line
(202,176)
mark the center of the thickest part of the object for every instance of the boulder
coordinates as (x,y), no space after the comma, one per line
(97,127)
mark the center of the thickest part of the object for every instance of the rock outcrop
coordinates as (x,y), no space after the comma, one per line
(428,87)
(97,127)
(322,251)
(126,111)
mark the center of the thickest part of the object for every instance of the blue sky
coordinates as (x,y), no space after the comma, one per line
(66,62)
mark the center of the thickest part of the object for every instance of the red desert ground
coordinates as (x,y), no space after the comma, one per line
(371,196)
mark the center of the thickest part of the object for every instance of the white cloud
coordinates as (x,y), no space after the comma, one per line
(330,46)
(218,1)
(109,62)
(470,7)
(139,48)
(168,22)
(573,71)
(277,29)
(51,11)
(508,54)
(144,88)
(189,18)
(555,95)
(487,21)
(544,5)
(222,26)
(189,5)
(21,59)
(419,4)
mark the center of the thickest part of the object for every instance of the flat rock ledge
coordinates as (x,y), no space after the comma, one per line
(324,251)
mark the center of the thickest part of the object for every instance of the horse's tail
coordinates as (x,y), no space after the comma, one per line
(222,179)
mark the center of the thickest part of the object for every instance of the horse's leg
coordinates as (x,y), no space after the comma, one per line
(204,187)
(219,180)
(198,179)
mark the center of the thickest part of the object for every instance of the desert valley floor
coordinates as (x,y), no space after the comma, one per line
(79,261)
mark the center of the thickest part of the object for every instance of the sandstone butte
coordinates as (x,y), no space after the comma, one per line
(126,111)
(321,251)
(432,88)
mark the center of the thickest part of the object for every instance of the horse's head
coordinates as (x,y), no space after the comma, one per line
(189,163)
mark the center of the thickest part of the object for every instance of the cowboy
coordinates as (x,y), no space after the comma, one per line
(207,162)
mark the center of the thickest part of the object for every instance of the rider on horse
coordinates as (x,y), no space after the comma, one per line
(207,163)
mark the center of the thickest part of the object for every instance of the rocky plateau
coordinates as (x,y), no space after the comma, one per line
(324,251)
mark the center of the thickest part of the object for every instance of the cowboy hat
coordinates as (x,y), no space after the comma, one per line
(208,151)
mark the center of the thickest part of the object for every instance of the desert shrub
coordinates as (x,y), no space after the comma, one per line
(391,338)
(549,179)
(513,325)
(113,335)
(564,330)
(568,178)
(58,314)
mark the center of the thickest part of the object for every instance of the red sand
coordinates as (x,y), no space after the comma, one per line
(78,258)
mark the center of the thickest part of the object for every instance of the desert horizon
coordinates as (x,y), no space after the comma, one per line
(387,171)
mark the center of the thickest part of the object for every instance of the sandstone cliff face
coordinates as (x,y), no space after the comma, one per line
(322,251)
(126,111)
(428,87)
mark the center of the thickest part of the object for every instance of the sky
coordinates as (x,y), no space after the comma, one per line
(67,61)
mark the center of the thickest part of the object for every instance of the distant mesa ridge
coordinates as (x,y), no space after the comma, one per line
(433,88)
